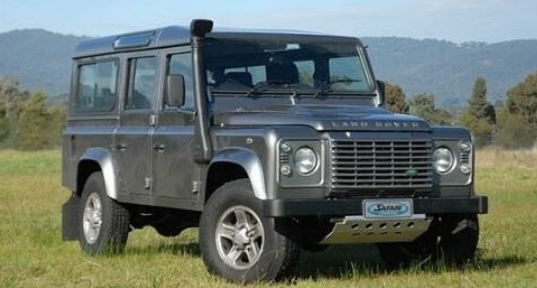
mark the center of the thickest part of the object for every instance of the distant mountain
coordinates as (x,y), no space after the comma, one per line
(447,69)
(41,60)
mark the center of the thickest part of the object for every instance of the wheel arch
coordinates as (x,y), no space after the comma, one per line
(232,164)
(97,159)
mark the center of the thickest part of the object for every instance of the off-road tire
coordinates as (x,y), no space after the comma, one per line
(451,238)
(279,255)
(168,229)
(114,229)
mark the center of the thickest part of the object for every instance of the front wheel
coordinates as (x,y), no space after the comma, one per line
(238,243)
(104,226)
(451,238)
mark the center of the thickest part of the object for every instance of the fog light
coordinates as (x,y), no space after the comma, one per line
(466,169)
(285,170)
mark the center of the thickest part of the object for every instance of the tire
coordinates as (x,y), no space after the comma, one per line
(451,238)
(168,229)
(105,231)
(277,255)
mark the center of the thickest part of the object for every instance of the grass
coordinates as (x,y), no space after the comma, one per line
(33,255)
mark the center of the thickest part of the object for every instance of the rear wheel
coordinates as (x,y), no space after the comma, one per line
(452,238)
(104,226)
(238,243)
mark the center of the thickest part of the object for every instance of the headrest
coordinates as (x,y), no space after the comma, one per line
(282,73)
(244,78)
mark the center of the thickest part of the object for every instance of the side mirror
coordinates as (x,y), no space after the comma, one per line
(381,86)
(175,90)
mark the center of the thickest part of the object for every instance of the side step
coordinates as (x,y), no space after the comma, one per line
(358,229)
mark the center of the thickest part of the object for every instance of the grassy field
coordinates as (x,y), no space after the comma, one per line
(33,255)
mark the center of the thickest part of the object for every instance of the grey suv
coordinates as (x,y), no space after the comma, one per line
(269,141)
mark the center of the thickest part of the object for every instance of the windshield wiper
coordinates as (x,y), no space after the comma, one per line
(257,88)
(345,80)
(323,90)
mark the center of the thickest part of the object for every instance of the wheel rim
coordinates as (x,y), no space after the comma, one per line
(240,237)
(91,219)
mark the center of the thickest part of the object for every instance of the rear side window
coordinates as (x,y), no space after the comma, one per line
(142,84)
(97,87)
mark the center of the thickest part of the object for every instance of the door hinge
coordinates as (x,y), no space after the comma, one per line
(148,183)
(196,185)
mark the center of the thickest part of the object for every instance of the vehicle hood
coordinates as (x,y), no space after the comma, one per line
(325,118)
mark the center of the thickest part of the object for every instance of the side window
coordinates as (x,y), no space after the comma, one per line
(142,84)
(181,64)
(97,87)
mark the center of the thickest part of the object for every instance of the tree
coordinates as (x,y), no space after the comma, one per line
(423,105)
(517,124)
(479,116)
(395,99)
(513,131)
(36,126)
(11,98)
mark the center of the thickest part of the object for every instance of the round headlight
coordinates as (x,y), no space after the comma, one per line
(443,160)
(305,160)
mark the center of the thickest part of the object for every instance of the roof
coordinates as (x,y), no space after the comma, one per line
(171,36)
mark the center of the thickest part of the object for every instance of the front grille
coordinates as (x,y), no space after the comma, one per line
(381,165)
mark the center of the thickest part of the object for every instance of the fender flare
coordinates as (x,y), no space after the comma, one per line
(249,161)
(103,158)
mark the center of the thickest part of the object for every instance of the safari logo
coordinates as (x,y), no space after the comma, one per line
(388,209)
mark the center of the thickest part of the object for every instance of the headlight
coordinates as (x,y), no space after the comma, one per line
(443,160)
(305,160)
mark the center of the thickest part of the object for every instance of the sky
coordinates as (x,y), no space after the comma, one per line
(453,20)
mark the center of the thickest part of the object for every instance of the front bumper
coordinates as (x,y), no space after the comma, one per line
(342,207)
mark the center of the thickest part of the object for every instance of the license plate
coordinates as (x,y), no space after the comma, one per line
(388,208)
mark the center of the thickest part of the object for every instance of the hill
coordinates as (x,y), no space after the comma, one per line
(41,60)
(448,69)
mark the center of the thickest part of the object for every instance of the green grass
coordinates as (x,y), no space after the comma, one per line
(33,255)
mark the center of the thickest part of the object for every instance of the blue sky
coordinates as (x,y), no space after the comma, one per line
(455,20)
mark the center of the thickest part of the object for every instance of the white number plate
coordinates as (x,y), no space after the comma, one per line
(388,208)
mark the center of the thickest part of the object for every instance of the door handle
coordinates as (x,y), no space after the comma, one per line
(159,147)
(122,147)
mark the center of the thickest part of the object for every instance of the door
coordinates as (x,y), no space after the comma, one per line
(173,165)
(137,119)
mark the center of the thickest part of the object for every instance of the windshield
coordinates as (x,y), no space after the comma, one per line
(280,64)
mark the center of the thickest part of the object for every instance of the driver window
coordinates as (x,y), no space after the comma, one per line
(181,64)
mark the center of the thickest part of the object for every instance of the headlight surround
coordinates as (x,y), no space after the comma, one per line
(443,160)
(305,160)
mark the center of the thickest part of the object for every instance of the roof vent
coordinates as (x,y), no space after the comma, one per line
(134,40)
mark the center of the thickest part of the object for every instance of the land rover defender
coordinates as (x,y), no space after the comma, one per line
(271,142)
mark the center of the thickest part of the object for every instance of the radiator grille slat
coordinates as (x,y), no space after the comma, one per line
(370,164)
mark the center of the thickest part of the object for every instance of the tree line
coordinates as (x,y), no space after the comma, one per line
(510,124)
(27,122)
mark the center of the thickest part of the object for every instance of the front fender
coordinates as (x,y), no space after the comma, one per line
(103,158)
(249,161)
